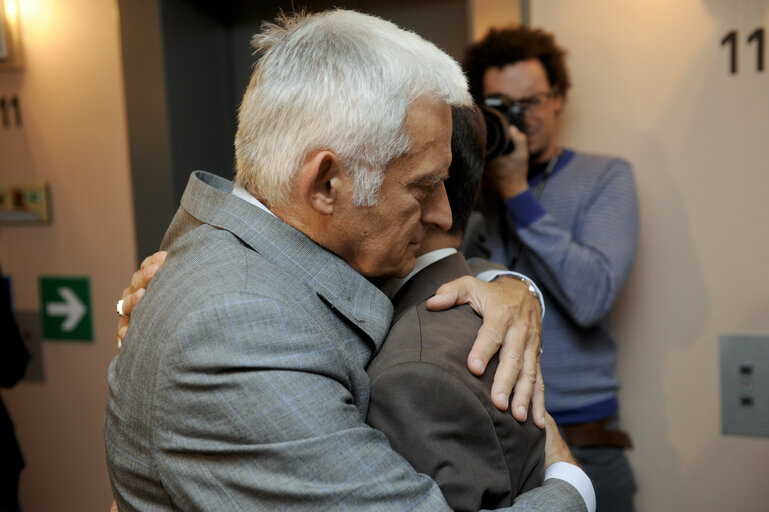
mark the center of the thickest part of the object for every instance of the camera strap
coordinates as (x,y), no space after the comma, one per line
(546,175)
(516,252)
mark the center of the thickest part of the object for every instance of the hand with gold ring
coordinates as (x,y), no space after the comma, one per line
(135,291)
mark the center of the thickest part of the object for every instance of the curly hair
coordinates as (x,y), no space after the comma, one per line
(502,47)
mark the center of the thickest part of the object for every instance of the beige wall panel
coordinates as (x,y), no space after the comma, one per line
(652,83)
(74,138)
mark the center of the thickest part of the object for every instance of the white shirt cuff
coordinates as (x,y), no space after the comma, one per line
(576,477)
(490,275)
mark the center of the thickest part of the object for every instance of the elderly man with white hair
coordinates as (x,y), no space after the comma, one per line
(241,383)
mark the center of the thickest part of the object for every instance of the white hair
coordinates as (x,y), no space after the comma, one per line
(340,81)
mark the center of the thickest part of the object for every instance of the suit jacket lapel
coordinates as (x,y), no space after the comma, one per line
(209,199)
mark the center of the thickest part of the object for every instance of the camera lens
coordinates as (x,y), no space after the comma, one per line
(500,112)
(498,141)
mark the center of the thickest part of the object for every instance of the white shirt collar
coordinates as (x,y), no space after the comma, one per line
(242,193)
(392,286)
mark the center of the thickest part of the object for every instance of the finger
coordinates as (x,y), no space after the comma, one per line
(538,400)
(514,131)
(121,332)
(526,386)
(137,280)
(519,138)
(448,295)
(486,344)
(150,271)
(149,266)
(531,335)
(158,257)
(113,508)
(527,338)
(508,370)
(141,278)
(527,378)
(130,302)
(147,261)
(491,335)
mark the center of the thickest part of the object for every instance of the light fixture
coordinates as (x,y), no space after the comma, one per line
(10,37)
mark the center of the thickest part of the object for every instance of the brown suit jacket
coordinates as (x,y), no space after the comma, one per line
(437,414)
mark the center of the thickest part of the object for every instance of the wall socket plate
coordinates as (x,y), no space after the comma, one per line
(745,384)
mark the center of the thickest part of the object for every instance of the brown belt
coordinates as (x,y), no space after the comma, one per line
(595,434)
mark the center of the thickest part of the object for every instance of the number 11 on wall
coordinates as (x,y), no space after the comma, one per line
(757,37)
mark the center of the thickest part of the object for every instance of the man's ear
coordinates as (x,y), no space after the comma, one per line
(321,182)
(558,102)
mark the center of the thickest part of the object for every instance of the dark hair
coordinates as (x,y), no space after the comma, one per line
(501,47)
(468,146)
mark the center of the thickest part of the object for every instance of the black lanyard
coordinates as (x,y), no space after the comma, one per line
(546,175)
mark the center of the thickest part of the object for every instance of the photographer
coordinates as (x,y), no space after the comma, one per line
(570,221)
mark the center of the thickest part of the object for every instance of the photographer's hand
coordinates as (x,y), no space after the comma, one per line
(507,174)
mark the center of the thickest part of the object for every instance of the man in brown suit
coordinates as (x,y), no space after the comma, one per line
(434,412)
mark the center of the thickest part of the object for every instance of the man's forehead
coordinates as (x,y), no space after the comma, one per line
(415,170)
(430,161)
(519,79)
(438,140)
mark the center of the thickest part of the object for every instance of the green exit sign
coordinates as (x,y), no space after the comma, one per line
(66,308)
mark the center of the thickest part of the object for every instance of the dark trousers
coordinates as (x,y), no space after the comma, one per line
(609,469)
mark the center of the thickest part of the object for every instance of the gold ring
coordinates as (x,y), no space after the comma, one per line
(119,308)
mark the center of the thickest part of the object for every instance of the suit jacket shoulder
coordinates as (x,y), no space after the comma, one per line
(437,414)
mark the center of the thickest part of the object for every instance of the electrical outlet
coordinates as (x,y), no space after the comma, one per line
(745,384)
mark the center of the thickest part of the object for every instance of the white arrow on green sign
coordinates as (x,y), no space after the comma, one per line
(66,308)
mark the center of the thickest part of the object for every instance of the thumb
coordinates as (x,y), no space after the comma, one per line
(449,294)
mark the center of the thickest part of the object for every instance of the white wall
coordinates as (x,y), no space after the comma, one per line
(651,83)
(74,137)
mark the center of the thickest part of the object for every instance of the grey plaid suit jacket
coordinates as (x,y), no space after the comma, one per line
(241,383)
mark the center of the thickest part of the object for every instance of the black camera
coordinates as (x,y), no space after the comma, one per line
(500,112)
